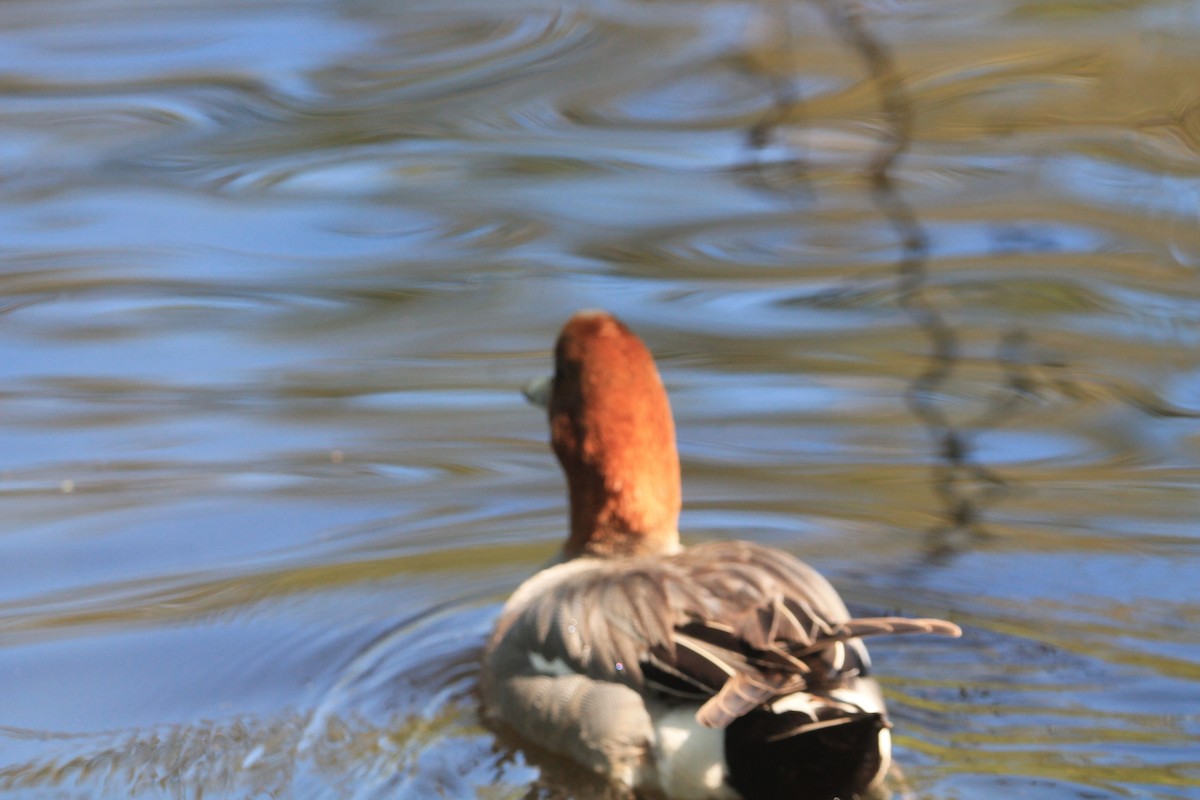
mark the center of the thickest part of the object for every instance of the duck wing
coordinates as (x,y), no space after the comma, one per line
(731,625)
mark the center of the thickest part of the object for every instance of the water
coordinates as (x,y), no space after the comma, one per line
(272,275)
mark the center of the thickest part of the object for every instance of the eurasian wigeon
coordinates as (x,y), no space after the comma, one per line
(724,670)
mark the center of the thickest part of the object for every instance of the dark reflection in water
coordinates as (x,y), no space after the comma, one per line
(272,274)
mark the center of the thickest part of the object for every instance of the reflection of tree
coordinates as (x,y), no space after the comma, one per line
(964,486)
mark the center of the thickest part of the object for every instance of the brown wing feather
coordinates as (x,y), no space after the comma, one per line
(732,623)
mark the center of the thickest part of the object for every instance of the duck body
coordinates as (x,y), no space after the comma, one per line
(728,670)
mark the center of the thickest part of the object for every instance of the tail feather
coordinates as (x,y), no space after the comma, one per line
(876,626)
(864,627)
(745,687)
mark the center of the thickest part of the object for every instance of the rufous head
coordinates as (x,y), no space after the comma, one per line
(611,428)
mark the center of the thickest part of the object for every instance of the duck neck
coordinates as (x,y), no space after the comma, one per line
(630,518)
(612,430)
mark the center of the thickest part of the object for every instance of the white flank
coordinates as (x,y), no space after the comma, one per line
(691,758)
(885,757)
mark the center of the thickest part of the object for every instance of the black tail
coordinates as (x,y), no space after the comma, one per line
(788,757)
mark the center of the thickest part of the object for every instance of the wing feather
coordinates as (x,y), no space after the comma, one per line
(733,624)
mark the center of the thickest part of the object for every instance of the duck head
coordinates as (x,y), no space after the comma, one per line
(612,430)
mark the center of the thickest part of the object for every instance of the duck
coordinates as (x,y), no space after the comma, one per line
(727,670)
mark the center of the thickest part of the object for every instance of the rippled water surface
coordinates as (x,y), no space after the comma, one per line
(272,273)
